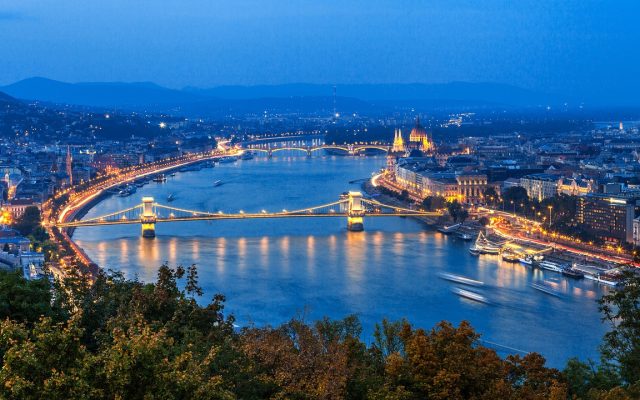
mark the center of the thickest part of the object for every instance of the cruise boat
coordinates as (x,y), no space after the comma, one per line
(160,178)
(468,294)
(460,279)
(484,246)
(510,256)
(604,279)
(127,191)
(527,261)
(550,266)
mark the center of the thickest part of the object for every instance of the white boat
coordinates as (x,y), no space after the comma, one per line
(604,280)
(526,261)
(217,183)
(460,279)
(171,197)
(549,266)
(484,246)
(468,294)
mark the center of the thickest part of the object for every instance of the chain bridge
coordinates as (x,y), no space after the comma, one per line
(351,206)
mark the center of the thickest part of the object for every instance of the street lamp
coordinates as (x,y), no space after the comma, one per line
(550,208)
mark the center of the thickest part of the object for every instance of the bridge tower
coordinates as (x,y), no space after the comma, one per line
(355,212)
(148,218)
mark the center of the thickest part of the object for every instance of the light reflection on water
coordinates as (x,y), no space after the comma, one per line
(272,270)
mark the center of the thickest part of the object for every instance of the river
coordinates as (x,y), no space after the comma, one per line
(273,270)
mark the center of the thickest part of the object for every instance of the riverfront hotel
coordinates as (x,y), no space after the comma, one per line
(609,216)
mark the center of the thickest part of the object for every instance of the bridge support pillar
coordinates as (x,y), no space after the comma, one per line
(308,152)
(269,153)
(148,218)
(355,224)
(355,212)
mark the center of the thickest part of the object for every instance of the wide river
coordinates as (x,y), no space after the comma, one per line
(273,270)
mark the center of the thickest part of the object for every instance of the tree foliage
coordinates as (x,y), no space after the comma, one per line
(124,339)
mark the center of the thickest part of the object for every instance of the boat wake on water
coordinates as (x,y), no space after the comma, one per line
(460,279)
(471,295)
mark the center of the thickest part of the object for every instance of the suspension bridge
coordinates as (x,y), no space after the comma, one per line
(351,206)
(350,149)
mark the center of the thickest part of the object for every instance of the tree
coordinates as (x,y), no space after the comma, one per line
(463,215)
(517,195)
(27,223)
(621,347)
(433,203)
(22,300)
(455,208)
(490,195)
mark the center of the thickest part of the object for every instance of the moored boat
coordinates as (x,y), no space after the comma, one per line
(510,256)
(572,273)
(227,159)
(550,266)
(604,279)
(160,178)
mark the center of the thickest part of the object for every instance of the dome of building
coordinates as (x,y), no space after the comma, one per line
(418,133)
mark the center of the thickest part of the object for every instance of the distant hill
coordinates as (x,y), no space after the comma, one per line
(461,91)
(6,99)
(116,94)
(300,97)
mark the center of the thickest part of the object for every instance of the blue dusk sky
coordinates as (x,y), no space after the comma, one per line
(562,46)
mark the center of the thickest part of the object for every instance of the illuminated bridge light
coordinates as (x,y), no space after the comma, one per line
(220,212)
(241,212)
(264,211)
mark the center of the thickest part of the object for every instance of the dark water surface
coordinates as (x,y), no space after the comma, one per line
(272,270)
